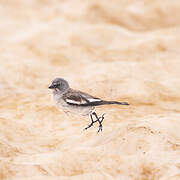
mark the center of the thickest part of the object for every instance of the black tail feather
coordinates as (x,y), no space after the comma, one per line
(116,102)
(98,103)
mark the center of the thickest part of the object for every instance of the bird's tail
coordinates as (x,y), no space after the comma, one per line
(113,102)
(98,103)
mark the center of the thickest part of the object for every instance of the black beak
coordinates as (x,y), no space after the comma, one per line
(51,86)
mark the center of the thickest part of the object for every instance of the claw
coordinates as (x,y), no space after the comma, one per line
(100,123)
(100,128)
(89,126)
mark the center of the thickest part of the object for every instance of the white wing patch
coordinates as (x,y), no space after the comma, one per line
(84,100)
(94,100)
(72,101)
(75,102)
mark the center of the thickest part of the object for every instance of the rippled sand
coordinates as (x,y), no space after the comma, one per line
(116,50)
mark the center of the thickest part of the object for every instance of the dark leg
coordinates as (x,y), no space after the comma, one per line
(100,120)
(92,122)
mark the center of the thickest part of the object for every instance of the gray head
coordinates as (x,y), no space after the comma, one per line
(59,84)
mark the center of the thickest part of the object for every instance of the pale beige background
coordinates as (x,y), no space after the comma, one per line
(126,50)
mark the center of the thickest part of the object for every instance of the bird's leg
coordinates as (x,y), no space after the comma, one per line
(100,120)
(92,122)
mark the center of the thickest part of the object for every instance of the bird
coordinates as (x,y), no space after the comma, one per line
(76,101)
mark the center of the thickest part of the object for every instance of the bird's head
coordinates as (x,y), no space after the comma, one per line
(59,84)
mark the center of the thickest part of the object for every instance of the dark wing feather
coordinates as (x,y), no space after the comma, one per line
(79,98)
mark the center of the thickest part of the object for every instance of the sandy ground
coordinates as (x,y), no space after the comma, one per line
(117,50)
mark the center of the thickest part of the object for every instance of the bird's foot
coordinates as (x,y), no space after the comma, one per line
(90,125)
(100,120)
(100,128)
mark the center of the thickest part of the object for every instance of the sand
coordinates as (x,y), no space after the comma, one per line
(115,50)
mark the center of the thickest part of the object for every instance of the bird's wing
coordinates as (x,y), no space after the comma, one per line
(79,98)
